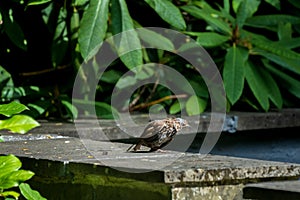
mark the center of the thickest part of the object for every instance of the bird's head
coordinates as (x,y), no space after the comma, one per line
(182,122)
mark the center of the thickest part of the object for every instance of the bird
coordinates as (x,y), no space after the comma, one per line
(159,133)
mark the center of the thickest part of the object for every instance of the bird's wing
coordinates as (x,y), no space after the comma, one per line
(153,128)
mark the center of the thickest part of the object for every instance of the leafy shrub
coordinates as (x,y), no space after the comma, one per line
(254,43)
(12,176)
(15,122)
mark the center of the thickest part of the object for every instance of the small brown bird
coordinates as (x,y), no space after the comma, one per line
(159,133)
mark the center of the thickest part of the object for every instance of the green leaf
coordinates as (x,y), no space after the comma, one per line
(210,39)
(6,194)
(29,193)
(295,3)
(289,43)
(19,124)
(215,20)
(263,86)
(233,72)
(155,40)
(168,12)
(60,41)
(12,108)
(288,63)
(103,110)
(111,76)
(9,164)
(286,81)
(264,21)
(128,44)
(93,28)
(71,110)
(275,3)
(284,31)
(37,2)
(5,79)
(195,105)
(175,108)
(246,9)
(13,30)
(11,175)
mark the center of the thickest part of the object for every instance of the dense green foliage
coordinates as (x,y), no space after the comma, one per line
(12,176)
(255,44)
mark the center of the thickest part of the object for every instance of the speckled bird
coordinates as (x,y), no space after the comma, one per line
(159,133)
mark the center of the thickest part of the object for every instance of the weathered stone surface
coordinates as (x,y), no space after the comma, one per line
(273,190)
(222,192)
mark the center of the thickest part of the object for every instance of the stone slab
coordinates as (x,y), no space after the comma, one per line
(177,168)
(273,190)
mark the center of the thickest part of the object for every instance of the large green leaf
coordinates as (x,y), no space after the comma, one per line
(156,40)
(265,21)
(19,124)
(168,12)
(263,86)
(251,6)
(288,63)
(211,39)
(216,21)
(13,30)
(195,105)
(246,9)
(93,28)
(10,173)
(128,40)
(233,72)
(12,108)
(286,81)
(289,43)
(29,193)
(60,42)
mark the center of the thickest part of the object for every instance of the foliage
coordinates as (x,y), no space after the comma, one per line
(255,44)
(16,123)
(12,176)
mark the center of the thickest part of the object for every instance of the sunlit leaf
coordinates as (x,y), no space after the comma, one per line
(7,194)
(12,108)
(168,12)
(19,124)
(11,175)
(37,2)
(29,193)
(233,72)
(93,28)
(195,105)
(175,108)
